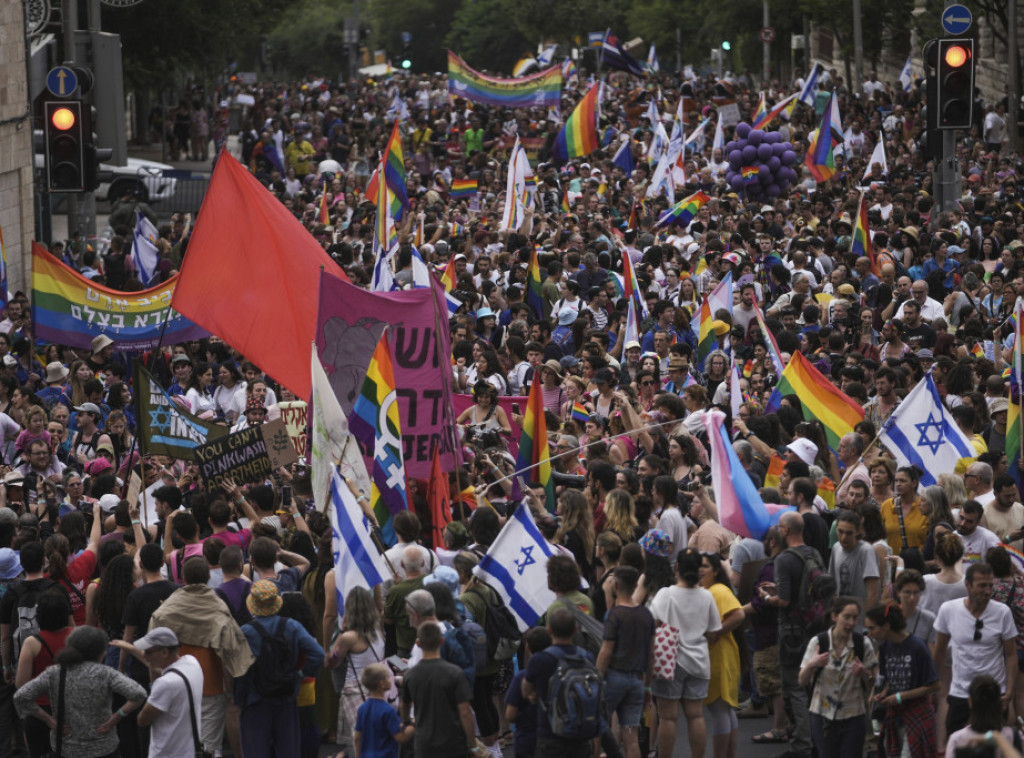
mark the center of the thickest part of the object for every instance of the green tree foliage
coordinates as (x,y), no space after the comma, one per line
(162,39)
(483,43)
(308,38)
(428,21)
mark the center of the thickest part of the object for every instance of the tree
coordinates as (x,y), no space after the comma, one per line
(481,42)
(428,21)
(309,38)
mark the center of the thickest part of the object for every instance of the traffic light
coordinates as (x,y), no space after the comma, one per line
(93,156)
(955,79)
(65,156)
(727,45)
(406,50)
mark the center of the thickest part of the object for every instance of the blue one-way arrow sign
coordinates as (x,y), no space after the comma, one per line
(956,19)
(61,81)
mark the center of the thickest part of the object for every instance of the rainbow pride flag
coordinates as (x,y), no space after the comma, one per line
(579,135)
(323,217)
(631,286)
(861,244)
(462,189)
(376,425)
(394,173)
(70,310)
(580,412)
(761,111)
(819,398)
(455,229)
(448,275)
(1013,417)
(770,115)
(565,202)
(523,65)
(820,158)
(540,90)
(682,213)
(532,295)
(749,174)
(533,445)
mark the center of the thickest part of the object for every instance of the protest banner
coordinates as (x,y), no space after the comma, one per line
(241,457)
(350,324)
(165,427)
(294,413)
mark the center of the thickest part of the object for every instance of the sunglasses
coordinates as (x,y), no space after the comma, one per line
(978,626)
(646,384)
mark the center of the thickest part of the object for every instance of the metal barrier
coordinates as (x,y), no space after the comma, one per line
(188,193)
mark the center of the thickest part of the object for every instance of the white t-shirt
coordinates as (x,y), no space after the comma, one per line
(976,544)
(673,522)
(693,612)
(936,593)
(171,732)
(971,658)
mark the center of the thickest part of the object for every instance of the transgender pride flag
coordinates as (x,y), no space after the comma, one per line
(740,507)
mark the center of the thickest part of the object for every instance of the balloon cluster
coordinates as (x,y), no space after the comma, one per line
(760,163)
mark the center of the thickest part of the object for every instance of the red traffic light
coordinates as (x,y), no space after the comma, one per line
(956,56)
(63,119)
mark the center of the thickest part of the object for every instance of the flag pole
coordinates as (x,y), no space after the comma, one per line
(444,364)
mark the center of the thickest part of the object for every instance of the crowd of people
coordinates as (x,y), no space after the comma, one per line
(876,615)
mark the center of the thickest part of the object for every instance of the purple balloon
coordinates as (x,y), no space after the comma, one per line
(736,182)
(774,164)
(787,145)
(778,149)
(788,158)
(730,146)
(756,137)
(742,130)
(765,176)
(772,138)
(773,190)
(749,154)
(764,151)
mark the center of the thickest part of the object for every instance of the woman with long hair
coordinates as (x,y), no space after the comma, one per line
(906,525)
(229,397)
(74,575)
(89,722)
(607,552)
(37,654)
(723,689)
(489,369)
(359,643)
(620,516)
(955,489)
(909,680)
(121,437)
(839,676)
(200,389)
(935,505)
(986,724)
(80,374)
(313,591)
(684,459)
(576,529)
(119,398)
(117,580)
(484,419)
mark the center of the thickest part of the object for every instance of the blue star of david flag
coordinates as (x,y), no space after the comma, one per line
(921,432)
(357,560)
(165,427)
(516,568)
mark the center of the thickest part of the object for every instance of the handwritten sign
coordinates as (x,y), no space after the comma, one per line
(294,413)
(279,443)
(241,457)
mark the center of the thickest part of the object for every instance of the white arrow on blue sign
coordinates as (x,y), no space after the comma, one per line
(956,19)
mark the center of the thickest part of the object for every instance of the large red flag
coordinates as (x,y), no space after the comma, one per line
(251,274)
(439,499)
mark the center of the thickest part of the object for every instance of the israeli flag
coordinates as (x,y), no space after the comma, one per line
(516,568)
(652,60)
(907,75)
(383,276)
(546,56)
(357,561)
(624,157)
(145,254)
(921,432)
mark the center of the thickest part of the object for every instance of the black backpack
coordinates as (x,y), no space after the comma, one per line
(503,635)
(825,642)
(815,593)
(274,676)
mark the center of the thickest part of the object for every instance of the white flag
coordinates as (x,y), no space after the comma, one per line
(877,156)
(921,432)
(516,568)
(332,441)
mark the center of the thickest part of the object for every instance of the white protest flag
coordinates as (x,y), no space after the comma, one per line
(662,179)
(921,432)
(332,442)
(516,568)
(145,254)
(718,142)
(735,391)
(515,192)
(877,156)
(357,561)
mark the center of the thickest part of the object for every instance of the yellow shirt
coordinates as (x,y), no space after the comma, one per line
(915,523)
(724,655)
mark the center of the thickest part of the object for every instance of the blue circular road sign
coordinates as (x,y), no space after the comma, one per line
(956,19)
(62,81)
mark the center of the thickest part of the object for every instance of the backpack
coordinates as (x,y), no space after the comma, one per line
(478,638)
(503,635)
(825,641)
(274,677)
(457,649)
(589,631)
(23,618)
(575,695)
(817,589)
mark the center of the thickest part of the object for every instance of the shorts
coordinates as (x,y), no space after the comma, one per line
(683,685)
(624,695)
(767,674)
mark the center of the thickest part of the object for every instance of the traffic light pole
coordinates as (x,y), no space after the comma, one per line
(69,23)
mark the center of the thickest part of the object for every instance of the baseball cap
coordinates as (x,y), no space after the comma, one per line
(159,637)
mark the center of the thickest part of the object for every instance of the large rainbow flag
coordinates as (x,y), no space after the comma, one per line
(820,158)
(819,398)
(532,296)
(543,89)
(579,135)
(682,213)
(861,244)
(375,423)
(70,310)
(533,445)
(393,162)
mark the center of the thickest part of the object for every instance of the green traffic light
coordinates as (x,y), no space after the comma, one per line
(727,45)
(406,63)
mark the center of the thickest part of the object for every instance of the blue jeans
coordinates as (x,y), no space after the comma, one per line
(624,694)
(842,738)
